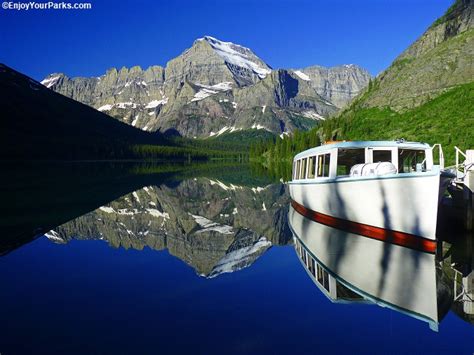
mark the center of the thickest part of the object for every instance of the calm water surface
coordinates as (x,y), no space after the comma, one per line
(211,260)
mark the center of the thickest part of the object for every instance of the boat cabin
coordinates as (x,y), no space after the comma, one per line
(358,159)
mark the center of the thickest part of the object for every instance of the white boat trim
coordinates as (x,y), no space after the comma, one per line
(362,144)
(434,172)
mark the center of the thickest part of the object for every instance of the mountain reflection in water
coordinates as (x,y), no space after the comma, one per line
(238,233)
(212,226)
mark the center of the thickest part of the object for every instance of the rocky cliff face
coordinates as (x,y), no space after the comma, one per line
(216,87)
(338,85)
(212,226)
(439,60)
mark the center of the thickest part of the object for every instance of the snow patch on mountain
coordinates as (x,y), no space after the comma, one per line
(225,86)
(223,130)
(302,75)
(202,94)
(134,122)
(54,236)
(313,115)
(224,186)
(156,103)
(157,213)
(208,90)
(107,107)
(135,195)
(258,126)
(50,81)
(234,54)
(240,258)
(209,225)
(123,105)
(107,209)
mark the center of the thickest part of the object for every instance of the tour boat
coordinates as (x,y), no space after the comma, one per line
(387,190)
(349,268)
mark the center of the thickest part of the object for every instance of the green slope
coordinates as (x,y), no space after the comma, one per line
(447,119)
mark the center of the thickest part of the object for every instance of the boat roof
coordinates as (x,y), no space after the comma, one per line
(362,144)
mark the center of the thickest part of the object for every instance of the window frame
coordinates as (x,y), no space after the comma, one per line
(360,153)
(312,164)
(423,162)
(304,165)
(297,169)
(369,156)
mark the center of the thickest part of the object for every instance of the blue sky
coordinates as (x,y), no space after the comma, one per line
(284,33)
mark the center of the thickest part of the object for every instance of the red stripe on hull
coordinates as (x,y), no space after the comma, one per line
(394,237)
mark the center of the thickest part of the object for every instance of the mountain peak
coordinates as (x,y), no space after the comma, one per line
(214,42)
(52,79)
(237,55)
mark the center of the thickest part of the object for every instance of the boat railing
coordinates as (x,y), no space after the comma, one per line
(440,155)
(461,167)
(461,293)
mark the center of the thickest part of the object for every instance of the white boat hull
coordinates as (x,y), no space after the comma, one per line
(389,275)
(406,203)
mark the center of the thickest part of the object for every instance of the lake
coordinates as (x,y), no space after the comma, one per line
(210,259)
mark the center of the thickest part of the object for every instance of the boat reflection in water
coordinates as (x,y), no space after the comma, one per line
(349,267)
(456,258)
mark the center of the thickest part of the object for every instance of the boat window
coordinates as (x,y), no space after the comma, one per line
(297,170)
(347,158)
(347,294)
(303,168)
(323,165)
(312,267)
(327,158)
(311,167)
(411,160)
(323,277)
(381,155)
